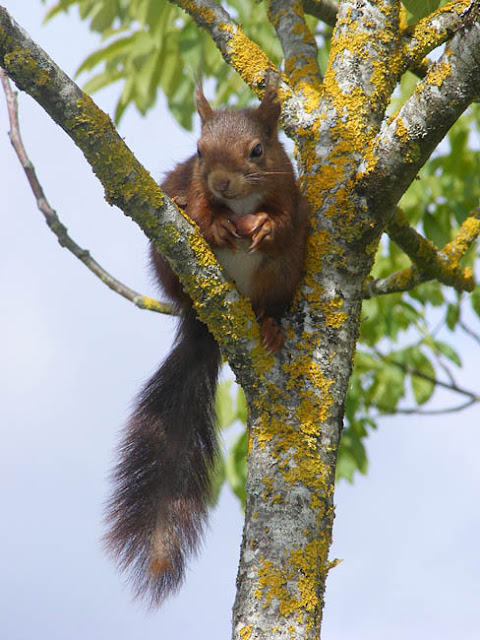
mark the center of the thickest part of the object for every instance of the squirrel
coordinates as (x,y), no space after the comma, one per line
(241,191)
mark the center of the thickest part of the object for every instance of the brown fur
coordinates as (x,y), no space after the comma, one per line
(226,143)
(162,482)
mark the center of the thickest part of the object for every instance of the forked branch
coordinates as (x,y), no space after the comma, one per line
(429,262)
(129,186)
(436,29)
(298,44)
(442,265)
(407,140)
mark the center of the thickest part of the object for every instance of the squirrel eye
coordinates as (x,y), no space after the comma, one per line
(257,151)
(199,153)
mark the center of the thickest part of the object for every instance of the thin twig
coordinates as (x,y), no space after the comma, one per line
(469,332)
(426,412)
(404,280)
(446,369)
(54,222)
(415,372)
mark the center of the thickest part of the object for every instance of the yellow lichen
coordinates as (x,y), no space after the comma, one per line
(439,73)
(203,253)
(334,317)
(246,57)
(203,13)
(427,34)
(273,586)
(245,633)
(152,305)
(411,149)
(23,66)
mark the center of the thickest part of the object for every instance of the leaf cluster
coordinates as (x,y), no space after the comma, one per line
(400,358)
(149,46)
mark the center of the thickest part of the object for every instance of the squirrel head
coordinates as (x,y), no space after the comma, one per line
(239,150)
(267,113)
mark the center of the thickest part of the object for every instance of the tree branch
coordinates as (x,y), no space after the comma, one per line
(430,263)
(365,68)
(404,280)
(246,58)
(407,140)
(469,332)
(442,265)
(324,10)
(130,187)
(54,222)
(297,42)
(435,29)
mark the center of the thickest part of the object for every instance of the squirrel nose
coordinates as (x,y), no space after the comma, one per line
(221,184)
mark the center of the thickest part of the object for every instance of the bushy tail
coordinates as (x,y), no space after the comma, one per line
(158,508)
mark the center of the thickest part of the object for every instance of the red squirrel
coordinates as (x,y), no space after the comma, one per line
(240,189)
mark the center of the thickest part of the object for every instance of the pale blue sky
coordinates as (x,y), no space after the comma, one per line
(73,356)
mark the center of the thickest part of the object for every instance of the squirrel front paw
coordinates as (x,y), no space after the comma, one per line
(223,231)
(256,226)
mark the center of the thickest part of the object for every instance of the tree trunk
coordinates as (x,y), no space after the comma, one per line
(354,165)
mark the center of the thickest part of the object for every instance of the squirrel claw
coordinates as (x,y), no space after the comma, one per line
(224,232)
(262,231)
(272,335)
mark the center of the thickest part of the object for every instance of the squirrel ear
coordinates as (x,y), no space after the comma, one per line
(270,108)
(203,107)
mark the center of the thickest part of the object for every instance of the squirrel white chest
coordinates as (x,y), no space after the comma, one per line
(241,265)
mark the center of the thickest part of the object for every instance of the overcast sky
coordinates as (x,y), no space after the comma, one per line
(74,354)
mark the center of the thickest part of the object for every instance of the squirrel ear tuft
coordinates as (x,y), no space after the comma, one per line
(203,107)
(270,108)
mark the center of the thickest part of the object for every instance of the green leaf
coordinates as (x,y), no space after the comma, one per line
(388,388)
(422,388)
(103,16)
(352,455)
(101,80)
(242,409)
(217,477)
(421,8)
(236,466)
(475,300)
(224,407)
(346,465)
(120,45)
(435,229)
(449,352)
(60,7)
(452,316)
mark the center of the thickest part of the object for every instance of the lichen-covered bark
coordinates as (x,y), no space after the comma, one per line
(294,435)
(354,165)
(129,186)
(295,429)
